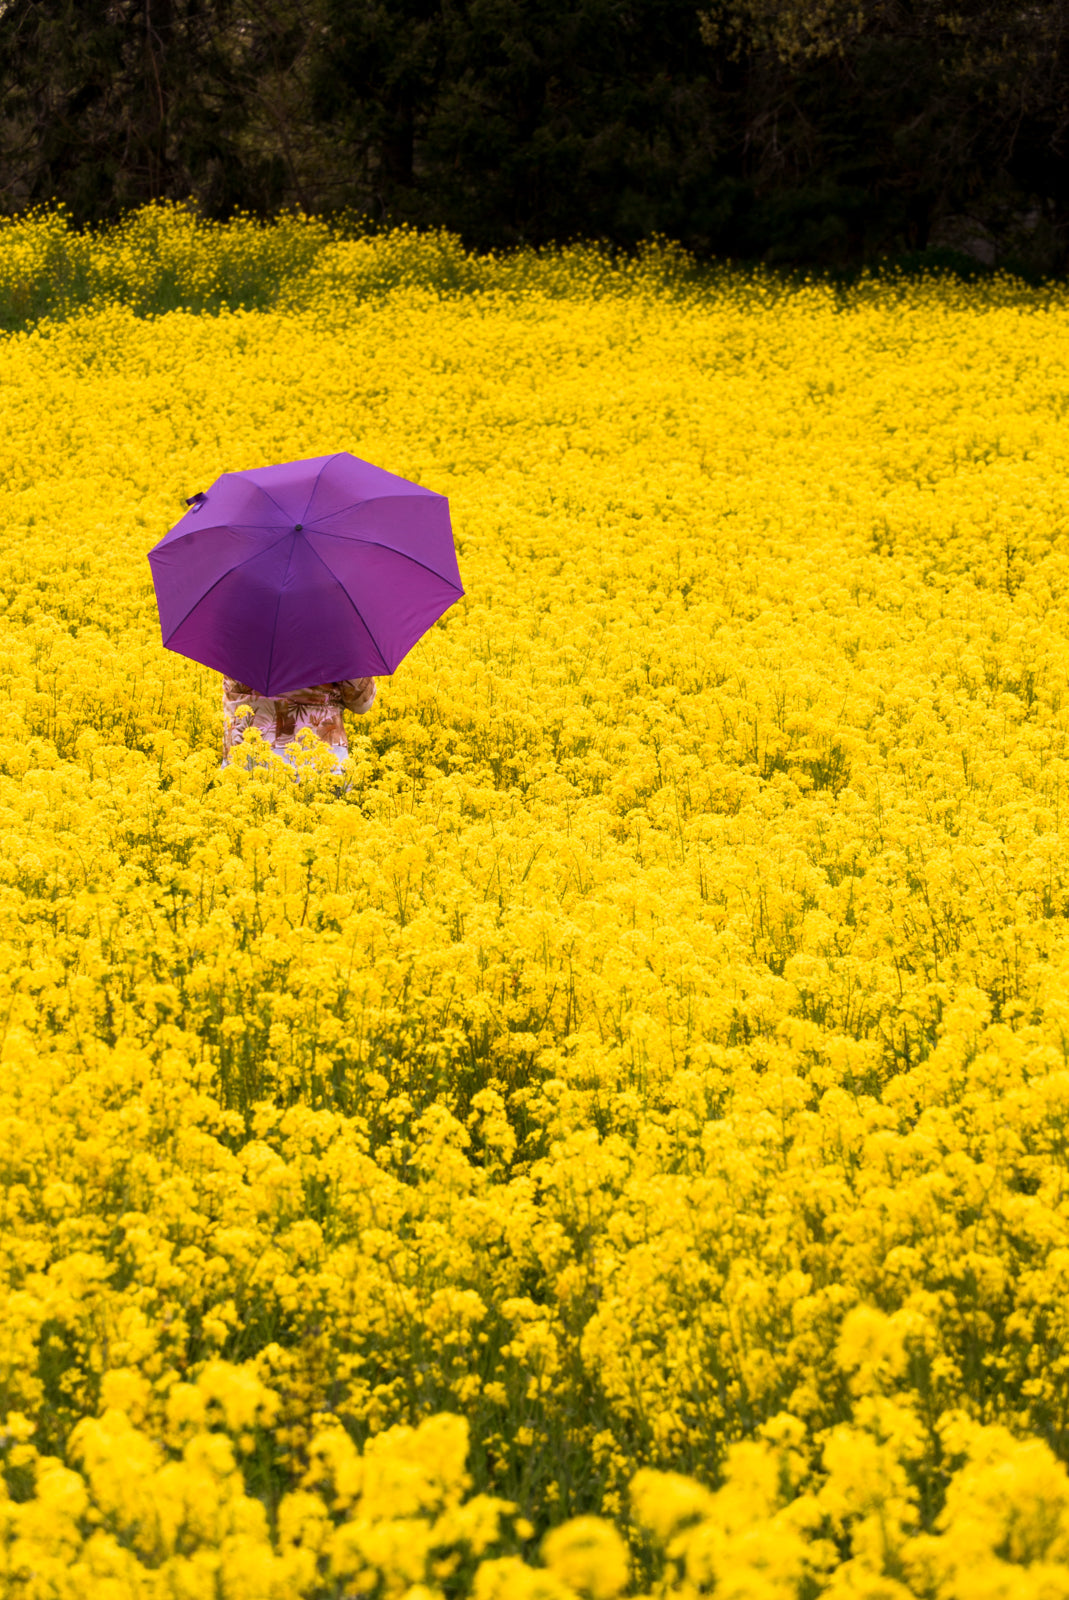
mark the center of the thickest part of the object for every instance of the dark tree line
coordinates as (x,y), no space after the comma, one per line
(823,131)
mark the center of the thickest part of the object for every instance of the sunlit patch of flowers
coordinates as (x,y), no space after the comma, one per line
(620,1144)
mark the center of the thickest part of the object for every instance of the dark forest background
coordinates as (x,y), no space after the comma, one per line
(823,132)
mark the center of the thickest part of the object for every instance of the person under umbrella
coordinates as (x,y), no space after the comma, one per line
(279,721)
(302,583)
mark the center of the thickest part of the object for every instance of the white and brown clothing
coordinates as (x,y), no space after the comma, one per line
(280,721)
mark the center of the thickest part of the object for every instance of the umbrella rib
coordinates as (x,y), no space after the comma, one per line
(369,499)
(315,486)
(221,578)
(278,608)
(320,533)
(272,499)
(352,602)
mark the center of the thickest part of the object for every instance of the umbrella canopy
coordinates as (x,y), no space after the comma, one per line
(304,573)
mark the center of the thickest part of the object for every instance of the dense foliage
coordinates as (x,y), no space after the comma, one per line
(821,131)
(620,1144)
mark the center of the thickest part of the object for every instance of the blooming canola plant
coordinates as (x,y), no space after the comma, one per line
(620,1144)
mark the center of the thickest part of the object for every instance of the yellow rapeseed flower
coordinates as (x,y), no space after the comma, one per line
(618,1143)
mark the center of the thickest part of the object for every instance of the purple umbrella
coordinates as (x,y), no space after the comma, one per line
(305,573)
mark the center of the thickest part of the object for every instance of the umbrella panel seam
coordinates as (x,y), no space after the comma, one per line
(315,486)
(377,544)
(268,495)
(278,608)
(223,577)
(214,527)
(352,602)
(370,499)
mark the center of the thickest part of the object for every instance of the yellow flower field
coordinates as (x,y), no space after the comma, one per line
(622,1146)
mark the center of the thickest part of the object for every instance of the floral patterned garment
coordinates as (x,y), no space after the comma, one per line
(280,721)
